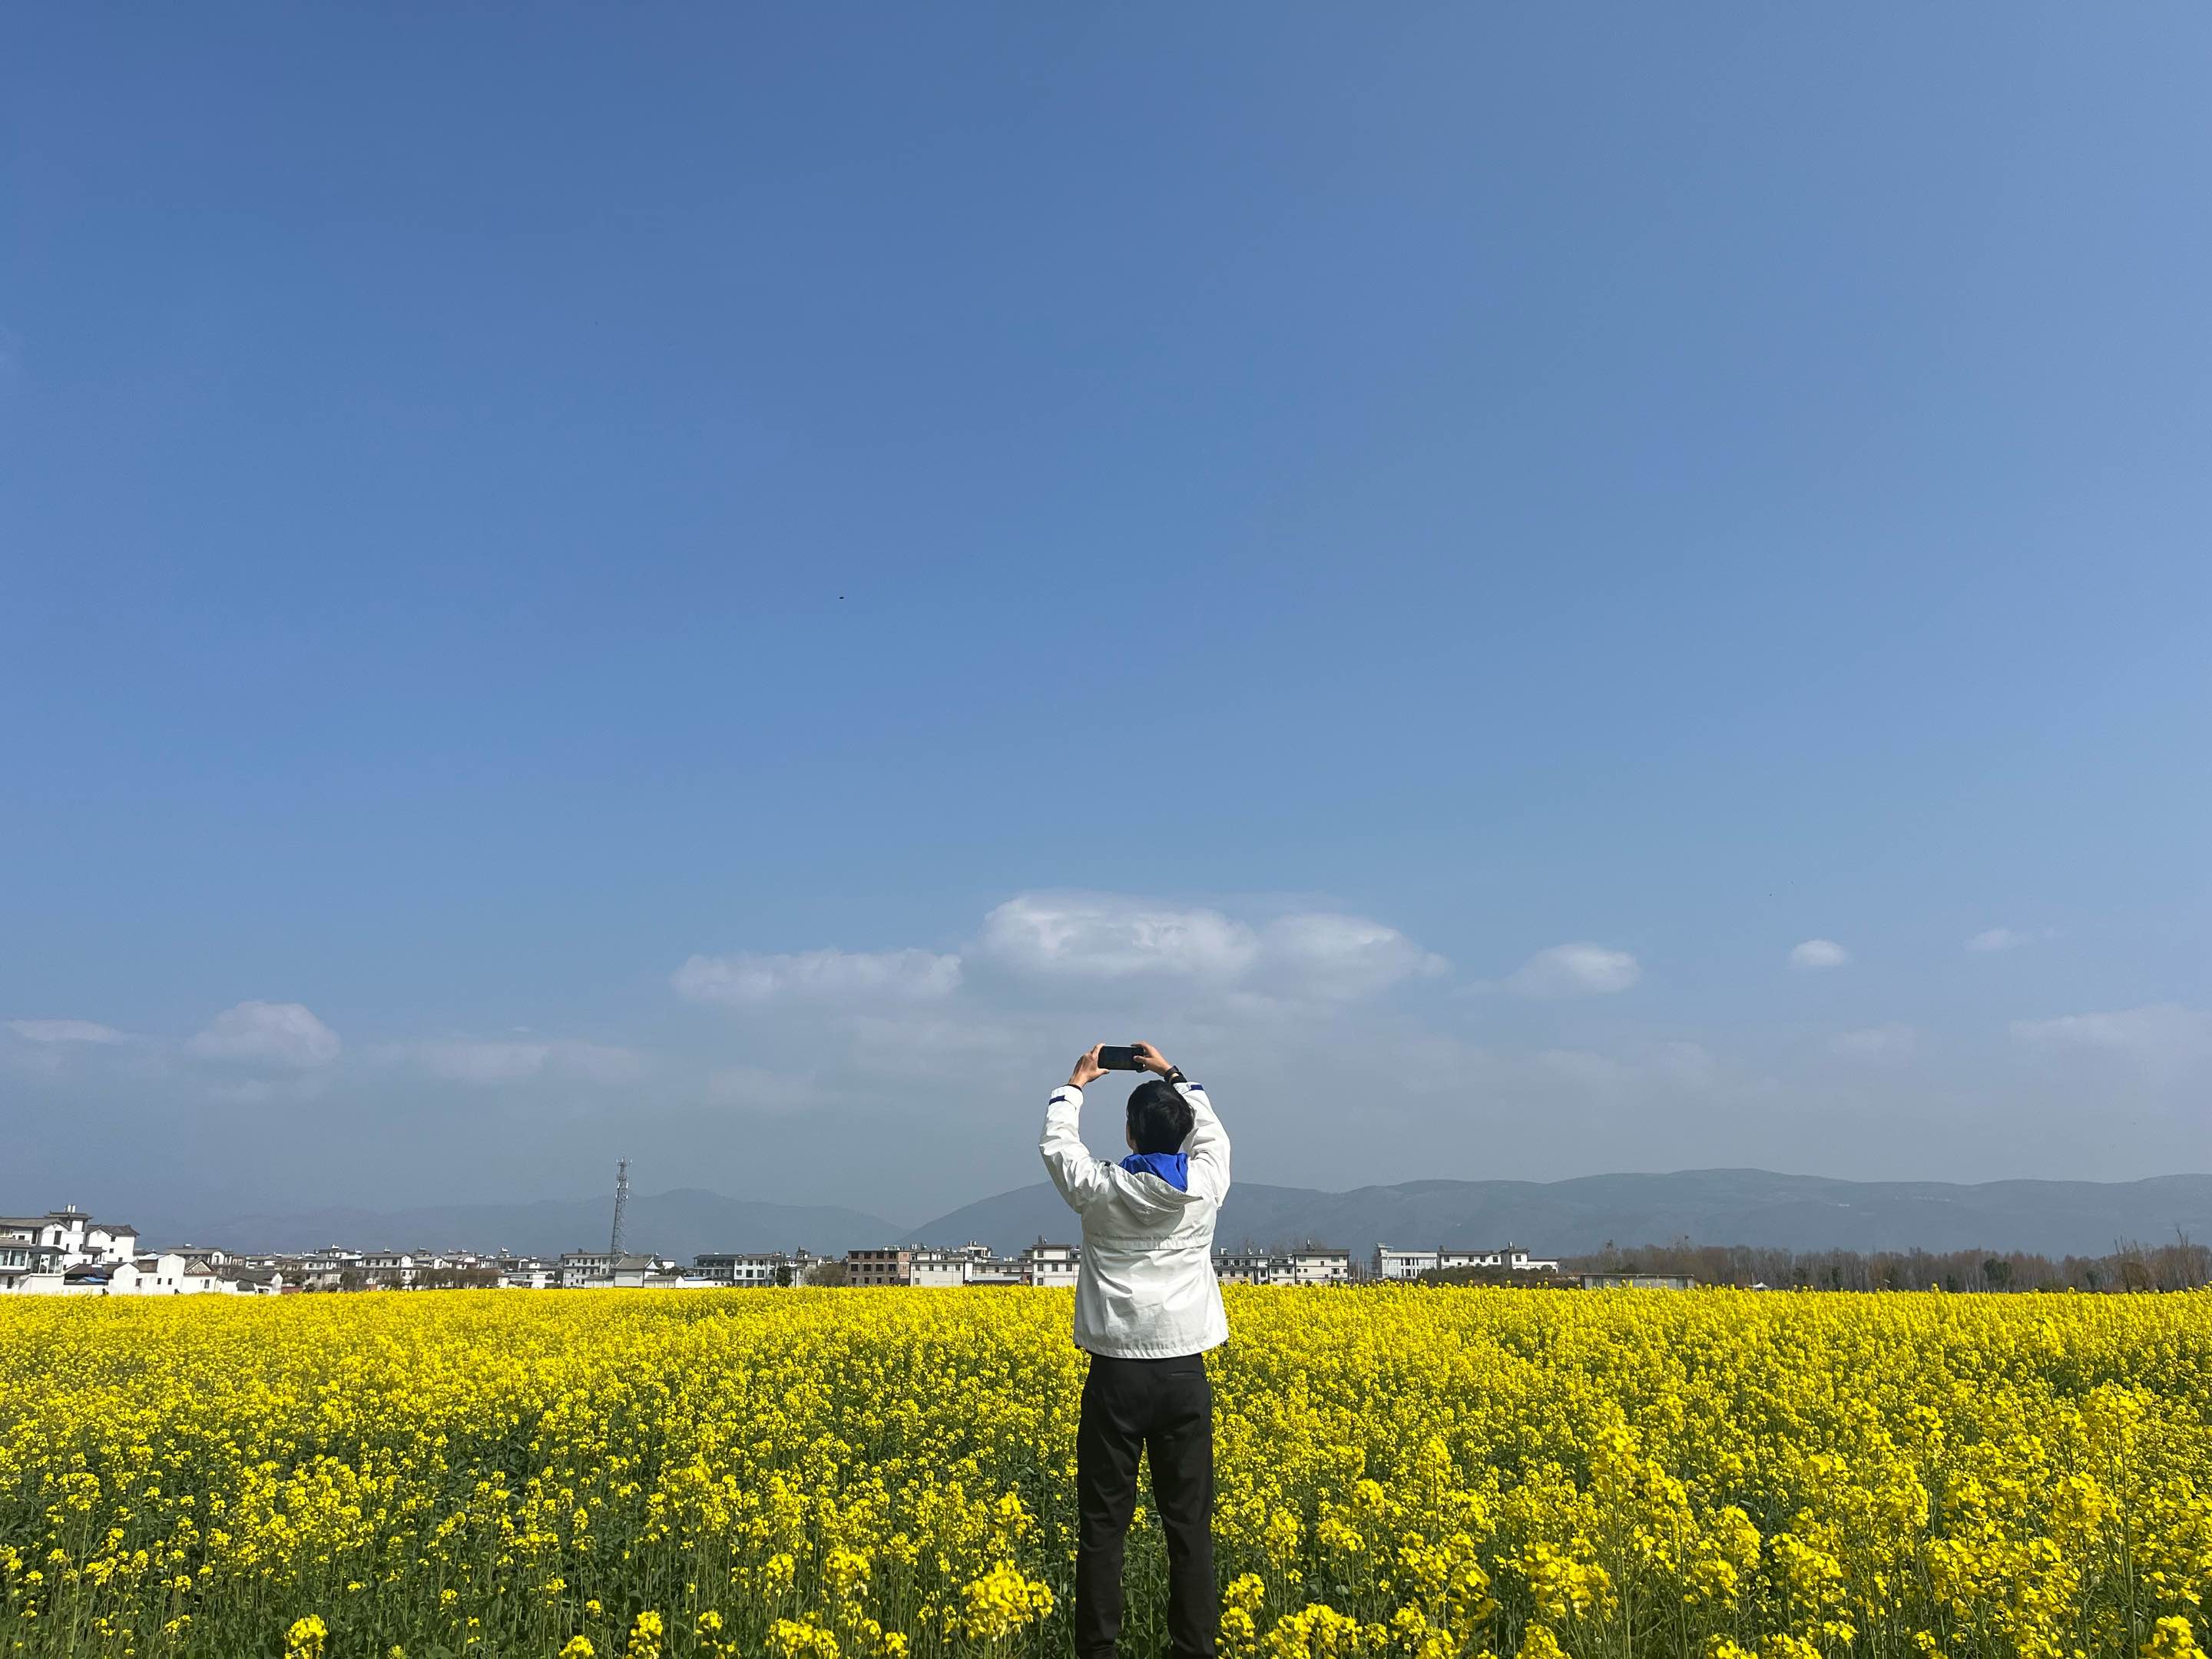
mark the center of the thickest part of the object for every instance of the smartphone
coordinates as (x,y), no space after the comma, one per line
(1119,1060)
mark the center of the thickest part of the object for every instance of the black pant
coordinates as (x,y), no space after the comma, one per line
(1164,1405)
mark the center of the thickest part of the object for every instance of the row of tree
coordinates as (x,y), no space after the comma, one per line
(2182,1265)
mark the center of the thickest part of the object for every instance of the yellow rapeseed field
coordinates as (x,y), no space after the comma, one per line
(856,1474)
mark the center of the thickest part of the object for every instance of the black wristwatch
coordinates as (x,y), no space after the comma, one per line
(1174,1075)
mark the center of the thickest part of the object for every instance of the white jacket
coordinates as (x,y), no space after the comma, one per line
(1145,1289)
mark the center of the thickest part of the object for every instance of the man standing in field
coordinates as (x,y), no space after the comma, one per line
(1146,1310)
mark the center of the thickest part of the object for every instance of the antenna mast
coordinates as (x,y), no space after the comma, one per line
(622,1203)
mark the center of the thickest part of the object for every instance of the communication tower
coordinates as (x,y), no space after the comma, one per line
(622,1203)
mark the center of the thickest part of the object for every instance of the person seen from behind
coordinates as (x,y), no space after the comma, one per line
(1147,1308)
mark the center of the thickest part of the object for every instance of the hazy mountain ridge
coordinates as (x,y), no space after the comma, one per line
(1712,1206)
(1559,1218)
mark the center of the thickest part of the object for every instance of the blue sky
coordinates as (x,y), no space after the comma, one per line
(1248,527)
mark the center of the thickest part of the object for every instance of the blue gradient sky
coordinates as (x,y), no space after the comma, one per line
(495,506)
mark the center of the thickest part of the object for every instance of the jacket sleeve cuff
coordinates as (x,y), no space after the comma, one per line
(1067,1091)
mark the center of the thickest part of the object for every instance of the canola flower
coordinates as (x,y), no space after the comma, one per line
(855,1475)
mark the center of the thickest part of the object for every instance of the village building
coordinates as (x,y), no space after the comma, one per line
(634,1273)
(1051,1266)
(878,1267)
(37,1253)
(746,1270)
(582,1270)
(1249,1268)
(1319,1264)
(1394,1264)
(928,1269)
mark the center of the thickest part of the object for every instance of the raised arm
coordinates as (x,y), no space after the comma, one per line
(1206,1145)
(1080,1177)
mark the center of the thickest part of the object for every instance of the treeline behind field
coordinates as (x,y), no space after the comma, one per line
(2182,1265)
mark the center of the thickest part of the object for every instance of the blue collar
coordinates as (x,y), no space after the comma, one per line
(1174,1167)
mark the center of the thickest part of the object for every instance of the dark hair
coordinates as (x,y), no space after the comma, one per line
(1159,1117)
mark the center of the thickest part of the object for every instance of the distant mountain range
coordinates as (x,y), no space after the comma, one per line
(1557,1218)
(1711,1207)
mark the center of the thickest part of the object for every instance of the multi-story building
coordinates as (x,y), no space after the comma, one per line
(745,1270)
(1404,1264)
(1042,1264)
(326,1269)
(164,1273)
(1309,1264)
(76,1237)
(1319,1264)
(1511,1259)
(582,1270)
(25,1264)
(631,1272)
(1249,1268)
(390,1270)
(214,1254)
(171,1273)
(1046,1265)
(930,1269)
(513,1272)
(877,1268)
(333,1268)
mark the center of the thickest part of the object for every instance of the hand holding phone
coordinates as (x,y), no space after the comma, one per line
(1094,1063)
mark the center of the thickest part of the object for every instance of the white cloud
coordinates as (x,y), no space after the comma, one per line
(745,981)
(1100,936)
(463,1059)
(1818,953)
(2163,1038)
(58,1047)
(1094,939)
(495,1060)
(1568,971)
(65,1030)
(268,1033)
(1892,1041)
(1324,954)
